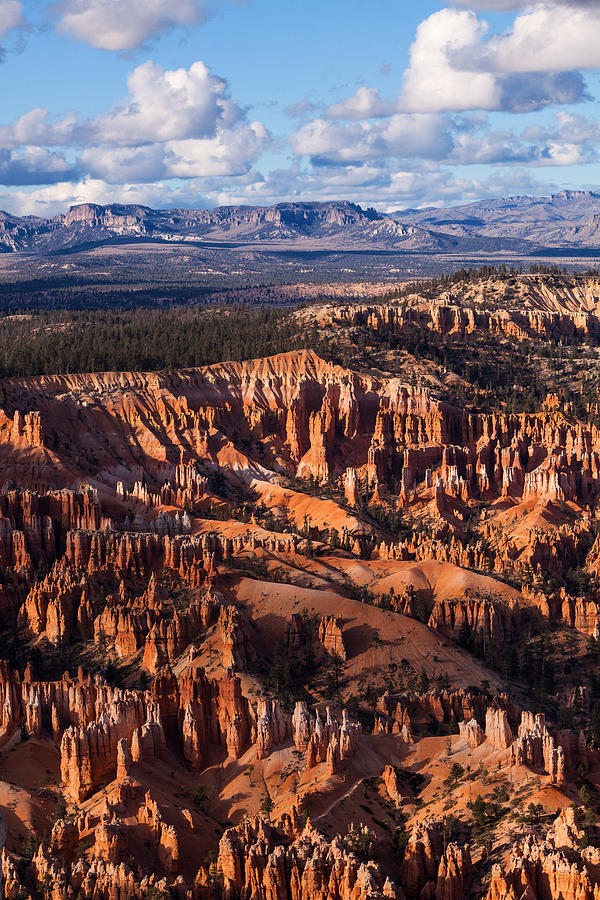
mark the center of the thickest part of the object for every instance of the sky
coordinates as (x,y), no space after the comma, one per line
(396,104)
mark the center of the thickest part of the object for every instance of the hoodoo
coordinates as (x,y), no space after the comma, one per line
(288,627)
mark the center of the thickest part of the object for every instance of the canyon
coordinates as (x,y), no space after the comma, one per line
(294,628)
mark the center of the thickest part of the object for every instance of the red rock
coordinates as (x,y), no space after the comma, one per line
(331,636)
(497,730)
(472,733)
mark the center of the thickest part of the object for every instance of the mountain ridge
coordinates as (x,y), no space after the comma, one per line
(565,219)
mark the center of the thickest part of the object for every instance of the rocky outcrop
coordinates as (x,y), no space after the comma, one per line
(331,636)
(272,727)
(216,712)
(110,844)
(281,861)
(422,856)
(3,869)
(59,606)
(490,625)
(325,741)
(556,868)
(393,784)
(433,869)
(448,318)
(130,577)
(454,873)
(89,755)
(535,747)
(321,415)
(498,732)
(165,836)
(419,713)
(472,733)
(233,631)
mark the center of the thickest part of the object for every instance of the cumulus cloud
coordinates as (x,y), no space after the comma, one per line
(569,129)
(124,24)
(11,15)
(496,5)
(489,148)
(174,124)
(510,5)
(388,188)
(364,183)
(34,165)
(366,103)
(55,198)
(467,139)
(178,138)
(162,105)
(528,91)
(545,38)
(432,82)
(36,127)
(453,65)
(572,140)
(402,136)
(230,153)
(165,105)
(505,147)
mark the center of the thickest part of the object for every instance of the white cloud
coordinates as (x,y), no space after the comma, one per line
(175,124)
(453,66)
(528,91)
(432,83)
(35,127)
(510,5)
(116,165)
(366,103)
(124,24)
(570,130)
(388,188)
(576,128)
(546,38)
(496,5)
(165,105)
(441,78)
(412,140)
(48,201)
(505,148)
(33,165)
(230,153)
(401,136)
(11,13)
(177,138)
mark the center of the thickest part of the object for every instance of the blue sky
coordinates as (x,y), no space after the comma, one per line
(391,103)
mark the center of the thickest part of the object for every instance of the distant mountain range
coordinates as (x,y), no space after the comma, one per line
(570,219)
(566,219)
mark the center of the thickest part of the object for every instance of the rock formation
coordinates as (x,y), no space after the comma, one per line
(201,548)
(331,636)
(497,730)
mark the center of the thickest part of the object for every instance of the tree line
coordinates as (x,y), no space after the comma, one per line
(145,339)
